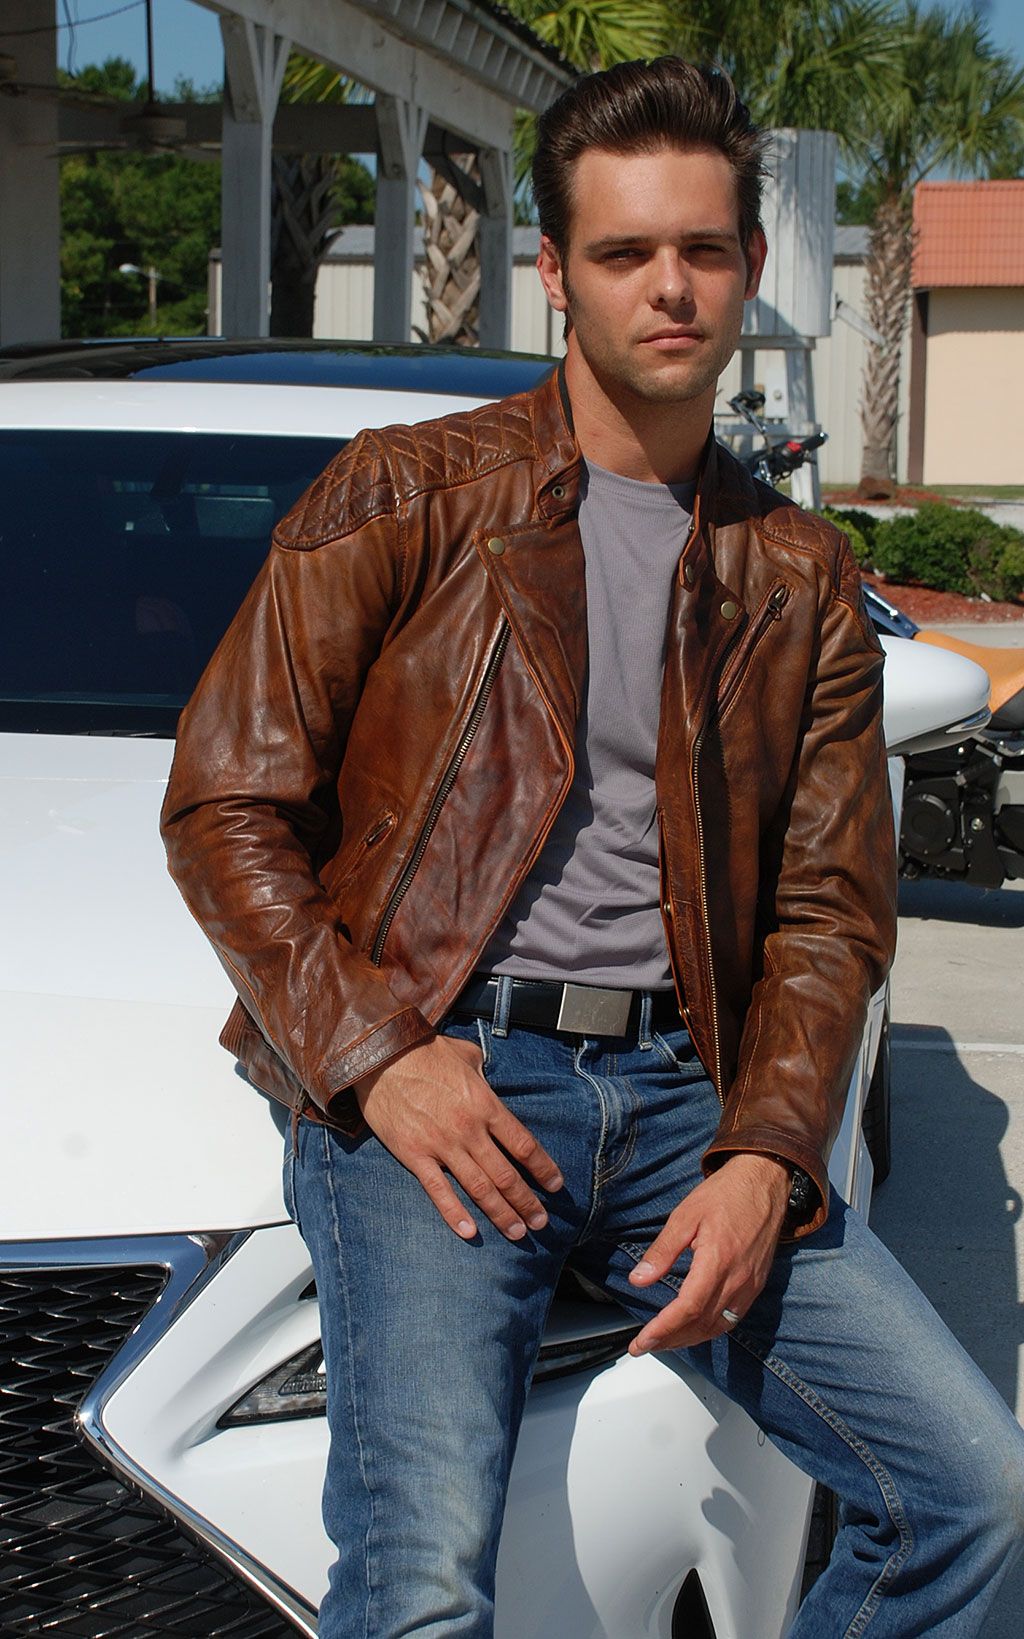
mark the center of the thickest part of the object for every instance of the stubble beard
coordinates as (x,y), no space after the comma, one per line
(619,369)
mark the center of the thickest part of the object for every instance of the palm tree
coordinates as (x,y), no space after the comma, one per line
(589,35)
(959,107)
(312,195)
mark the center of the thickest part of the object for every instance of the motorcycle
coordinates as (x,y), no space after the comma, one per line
(963,804)
(963,799)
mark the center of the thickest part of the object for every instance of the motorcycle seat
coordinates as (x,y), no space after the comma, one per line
(1005,668)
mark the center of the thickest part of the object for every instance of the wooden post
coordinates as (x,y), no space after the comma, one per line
(401,127)
(495,239)
(254,63)
(29,182)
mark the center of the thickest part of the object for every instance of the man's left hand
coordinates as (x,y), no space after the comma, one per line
(732,1222)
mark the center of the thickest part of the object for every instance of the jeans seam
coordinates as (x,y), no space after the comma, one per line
(485,1043)
(596,1175)
(353,1401)
(637,1253)
(883,1479)
(631,1138)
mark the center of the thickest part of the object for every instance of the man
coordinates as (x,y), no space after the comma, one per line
(536,803)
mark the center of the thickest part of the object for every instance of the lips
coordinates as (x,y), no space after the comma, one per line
(674,335)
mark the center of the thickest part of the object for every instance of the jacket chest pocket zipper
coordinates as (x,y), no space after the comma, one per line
(766,617)
(441,794)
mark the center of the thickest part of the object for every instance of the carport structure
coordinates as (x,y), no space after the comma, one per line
(447,77)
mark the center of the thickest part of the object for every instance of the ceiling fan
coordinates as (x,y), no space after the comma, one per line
(148,127)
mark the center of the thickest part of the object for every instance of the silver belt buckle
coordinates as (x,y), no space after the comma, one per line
(586,1010)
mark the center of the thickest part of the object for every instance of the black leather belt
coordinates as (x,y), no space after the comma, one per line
(584,1010)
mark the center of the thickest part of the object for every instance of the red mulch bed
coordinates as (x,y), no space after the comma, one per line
(931,608)
(905,495)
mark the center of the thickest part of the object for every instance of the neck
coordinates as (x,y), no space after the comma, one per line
(657,442)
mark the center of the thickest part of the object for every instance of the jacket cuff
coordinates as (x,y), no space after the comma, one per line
(781,1145)
(370,1052)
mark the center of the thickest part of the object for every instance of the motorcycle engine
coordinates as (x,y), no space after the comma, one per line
(930,821)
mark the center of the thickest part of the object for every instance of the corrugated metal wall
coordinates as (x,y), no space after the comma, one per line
(344,308)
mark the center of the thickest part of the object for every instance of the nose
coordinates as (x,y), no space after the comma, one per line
(671,283)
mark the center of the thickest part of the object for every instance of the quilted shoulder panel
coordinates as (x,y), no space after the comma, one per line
(379,470)
(353,488)
(457,448)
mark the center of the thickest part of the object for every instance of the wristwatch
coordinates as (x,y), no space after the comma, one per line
(802,1194)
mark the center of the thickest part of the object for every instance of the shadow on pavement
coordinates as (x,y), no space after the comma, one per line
(930,900)
(948,1210)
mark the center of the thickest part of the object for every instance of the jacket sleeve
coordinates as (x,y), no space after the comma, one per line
(830,915)
(259,748)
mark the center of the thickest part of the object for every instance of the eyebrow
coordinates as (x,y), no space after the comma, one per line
(616,241)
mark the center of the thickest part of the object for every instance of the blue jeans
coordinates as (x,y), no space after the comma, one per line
(430,1341)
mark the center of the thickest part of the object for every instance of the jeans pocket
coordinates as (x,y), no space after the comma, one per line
(478,1031)
(676,1050)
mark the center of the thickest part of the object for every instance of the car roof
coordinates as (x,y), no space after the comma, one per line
(459,371)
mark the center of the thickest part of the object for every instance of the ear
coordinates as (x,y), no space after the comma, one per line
(549,266)
(757,250)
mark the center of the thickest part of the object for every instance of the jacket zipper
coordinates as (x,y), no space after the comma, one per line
(440,796)
(769,613)
(704,915)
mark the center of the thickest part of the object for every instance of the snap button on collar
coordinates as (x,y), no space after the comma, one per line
(496,545)
(689,573)
(730,610)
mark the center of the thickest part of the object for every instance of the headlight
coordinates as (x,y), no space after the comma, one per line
(298,1388)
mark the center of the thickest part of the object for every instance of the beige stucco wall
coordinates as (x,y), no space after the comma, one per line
(973,387)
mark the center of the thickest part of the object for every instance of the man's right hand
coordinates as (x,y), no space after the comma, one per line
(434,1111)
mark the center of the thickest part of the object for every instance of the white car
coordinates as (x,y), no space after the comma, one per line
(163,1439)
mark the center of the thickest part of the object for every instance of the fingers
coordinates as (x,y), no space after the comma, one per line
(434,1110)
(524,1149)
(695,1316)
(663,1251)
(446,1201)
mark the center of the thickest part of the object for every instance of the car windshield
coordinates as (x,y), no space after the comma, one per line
(124,556)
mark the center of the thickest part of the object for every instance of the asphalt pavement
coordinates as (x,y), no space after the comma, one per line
(951,1209)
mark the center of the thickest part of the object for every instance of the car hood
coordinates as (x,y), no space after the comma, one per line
(122,1115)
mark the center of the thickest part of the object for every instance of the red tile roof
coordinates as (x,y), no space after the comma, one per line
(969,233)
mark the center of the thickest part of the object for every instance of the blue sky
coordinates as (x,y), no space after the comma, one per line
(187,36)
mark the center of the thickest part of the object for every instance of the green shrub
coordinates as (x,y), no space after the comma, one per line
(955,549)
(1011,566)
(853,517)
(860,541)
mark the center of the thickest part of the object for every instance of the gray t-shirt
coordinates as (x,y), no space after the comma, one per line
(590,908)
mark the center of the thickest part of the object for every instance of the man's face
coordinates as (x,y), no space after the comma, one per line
(655,277)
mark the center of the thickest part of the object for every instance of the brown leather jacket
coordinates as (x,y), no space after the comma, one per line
(377,750)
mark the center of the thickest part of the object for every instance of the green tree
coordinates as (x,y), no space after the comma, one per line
(159,211)
(811,64)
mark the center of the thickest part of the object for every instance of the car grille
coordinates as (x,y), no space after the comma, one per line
(81,1553)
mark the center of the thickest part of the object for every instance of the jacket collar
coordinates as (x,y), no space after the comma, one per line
(559,457)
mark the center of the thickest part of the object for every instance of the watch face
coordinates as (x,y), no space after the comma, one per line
(802,1191)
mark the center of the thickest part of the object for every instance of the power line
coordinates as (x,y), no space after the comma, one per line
(79,22)
(72,42)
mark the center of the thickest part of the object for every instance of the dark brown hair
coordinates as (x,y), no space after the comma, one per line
(637,108)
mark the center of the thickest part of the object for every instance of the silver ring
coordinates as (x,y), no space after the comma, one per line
(731,1317)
